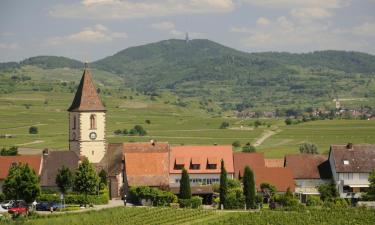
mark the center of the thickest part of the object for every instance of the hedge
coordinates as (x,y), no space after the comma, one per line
(194,202)
(79,199)
(156,196)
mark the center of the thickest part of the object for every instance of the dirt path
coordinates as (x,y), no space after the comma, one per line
(30,143)
(267,134)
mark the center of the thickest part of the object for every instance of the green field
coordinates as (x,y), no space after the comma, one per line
(146,215)
(169,122)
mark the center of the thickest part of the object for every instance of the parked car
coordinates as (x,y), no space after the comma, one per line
(46,206)
(19,207)
(2,210)
(8,204)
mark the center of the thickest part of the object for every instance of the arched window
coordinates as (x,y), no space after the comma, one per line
(92,122)
(74,122)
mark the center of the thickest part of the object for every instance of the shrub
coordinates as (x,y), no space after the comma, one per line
(9,152)
(308,148)
(79,199)
(156,196)
(248,148)
(2,197)
(117,132)
(235,199)
(313,201)
(224,125)
(236,144)
(33,130)
(335,203)
(194,202)
(288,121)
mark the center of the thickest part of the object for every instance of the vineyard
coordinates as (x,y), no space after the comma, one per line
(153,215)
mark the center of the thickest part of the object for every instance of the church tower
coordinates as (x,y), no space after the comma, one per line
(87,121)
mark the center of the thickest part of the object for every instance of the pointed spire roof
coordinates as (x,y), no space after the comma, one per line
(86,98)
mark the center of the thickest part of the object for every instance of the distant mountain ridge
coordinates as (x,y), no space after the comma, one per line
(203,68)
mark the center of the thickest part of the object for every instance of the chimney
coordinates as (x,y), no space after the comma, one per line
(349,146)
(45,151)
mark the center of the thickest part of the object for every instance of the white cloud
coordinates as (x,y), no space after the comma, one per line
(299,3)
(365,29)
(96,34)
(310,13)
(9,46)
(115,9)
(165,25)
(262,21)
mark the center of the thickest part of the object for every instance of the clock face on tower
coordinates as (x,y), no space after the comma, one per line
(92,135)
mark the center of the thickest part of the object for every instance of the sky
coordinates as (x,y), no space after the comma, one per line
(89,30)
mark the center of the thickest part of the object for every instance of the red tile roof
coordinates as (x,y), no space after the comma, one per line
(243,159)
(281,178)
(274,162)
(86,98)
(201,154)
(34,161)
(147,164)
(308,166)
(361,158)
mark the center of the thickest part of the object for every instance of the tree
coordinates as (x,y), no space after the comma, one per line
(328,191)
(249,188)
(224,125)
(33,130)
(148,121)
(103,178)
(370,195)
(223,184)
(21,183)
(268,190)
(308,148)
(86,180)
(64,179)
(248,148)
(288,121)
(117,132)
(236,144)
(9,152)
(185,190)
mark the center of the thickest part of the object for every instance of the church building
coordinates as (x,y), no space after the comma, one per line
(87,121)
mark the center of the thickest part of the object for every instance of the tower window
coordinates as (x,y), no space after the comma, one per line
(74,122)
(92,152)
(93,122)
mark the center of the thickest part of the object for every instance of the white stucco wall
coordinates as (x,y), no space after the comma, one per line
(214,178)
(79,138)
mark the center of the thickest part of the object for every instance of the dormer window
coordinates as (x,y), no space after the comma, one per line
(212,163)
(346,162)
(195,163)
(179,163)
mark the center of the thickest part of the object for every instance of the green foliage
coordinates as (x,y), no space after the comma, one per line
(21,183)
(86,180)
(194,202)
(148,121)
(2,197)
(64,179)
(157,196)
(185,190)
(336,202)
(248,148)
(223,184)
(103,180)
(249,188)
(139,130)
(236,144)
(33,130)
(224,125)
(313,200)
(288,121)
(80,199)
(233,183)
(370,195)
(328,191)
(308,148)
(235,198)
(9,152)
(268,189)
(51,62)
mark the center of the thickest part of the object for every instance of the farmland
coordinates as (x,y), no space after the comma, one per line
(168,122)
(146,215)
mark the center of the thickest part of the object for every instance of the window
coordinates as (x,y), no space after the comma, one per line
(93,122)
(347,189)
(92,152)
(74,122)
(195,166)
(346,162)
(178,166)
(211,166)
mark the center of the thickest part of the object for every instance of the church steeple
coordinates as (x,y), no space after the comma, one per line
(86,98)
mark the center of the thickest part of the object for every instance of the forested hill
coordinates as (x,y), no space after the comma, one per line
(203,68)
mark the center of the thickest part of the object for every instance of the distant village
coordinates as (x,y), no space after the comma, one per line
(160,165)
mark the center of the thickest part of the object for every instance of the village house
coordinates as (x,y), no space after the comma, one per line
(6,162)
(309,172)
(351,165)
(281,178)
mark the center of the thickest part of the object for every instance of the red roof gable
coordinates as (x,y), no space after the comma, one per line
(86,98)
(202,155)
(281,178)
(34,161)
(243,159)
(308,166)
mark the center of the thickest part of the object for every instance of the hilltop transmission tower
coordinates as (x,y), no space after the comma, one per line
(187,37)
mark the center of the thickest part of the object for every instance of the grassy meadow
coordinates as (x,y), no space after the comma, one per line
(169,122)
